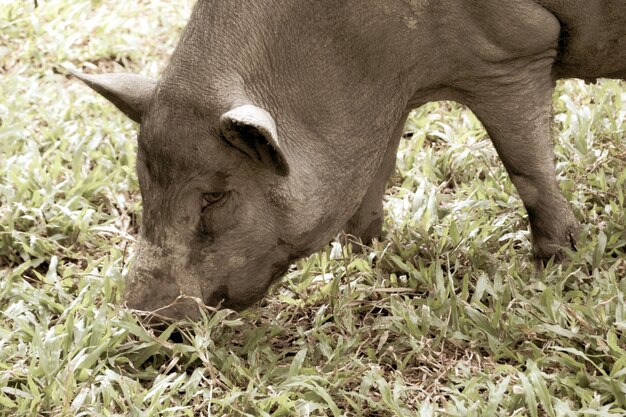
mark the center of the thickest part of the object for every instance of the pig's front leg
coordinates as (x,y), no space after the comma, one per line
(366,224)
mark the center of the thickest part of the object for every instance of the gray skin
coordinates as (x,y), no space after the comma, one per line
(276,124)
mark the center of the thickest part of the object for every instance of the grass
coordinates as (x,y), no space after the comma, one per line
(445,317)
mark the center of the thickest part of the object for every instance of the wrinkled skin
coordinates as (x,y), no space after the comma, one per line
(276,125)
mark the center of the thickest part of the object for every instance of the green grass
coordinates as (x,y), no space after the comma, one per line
(446,316)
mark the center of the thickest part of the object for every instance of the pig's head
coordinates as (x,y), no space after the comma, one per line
(221,220)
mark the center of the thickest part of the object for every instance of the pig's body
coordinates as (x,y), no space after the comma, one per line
(276,124)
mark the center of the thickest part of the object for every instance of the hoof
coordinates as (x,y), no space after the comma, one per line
(550,246)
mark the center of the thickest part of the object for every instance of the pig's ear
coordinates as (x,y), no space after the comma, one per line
(252,130)
(130,93)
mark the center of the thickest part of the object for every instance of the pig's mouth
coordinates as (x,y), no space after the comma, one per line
(279,271)
(223,299)
(219,298)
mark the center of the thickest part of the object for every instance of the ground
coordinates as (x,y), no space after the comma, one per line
(447,315)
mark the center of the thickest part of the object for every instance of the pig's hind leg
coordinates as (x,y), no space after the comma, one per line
(514,104)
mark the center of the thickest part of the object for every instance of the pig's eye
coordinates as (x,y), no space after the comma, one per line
(213,199)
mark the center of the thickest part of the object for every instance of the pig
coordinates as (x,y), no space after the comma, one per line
(275,125)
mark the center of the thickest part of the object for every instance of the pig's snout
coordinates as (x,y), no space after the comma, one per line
(155,292)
